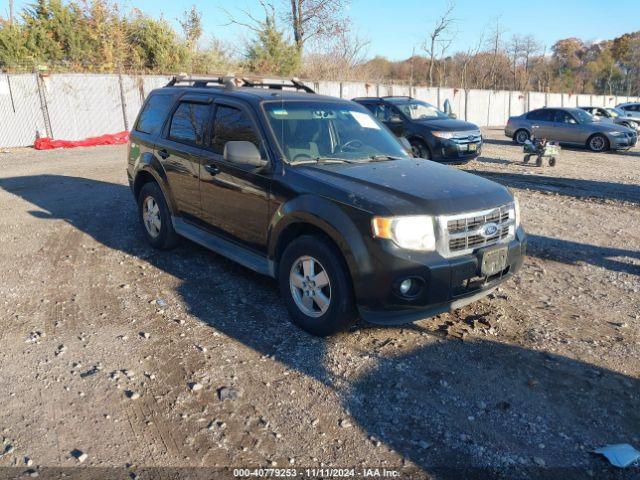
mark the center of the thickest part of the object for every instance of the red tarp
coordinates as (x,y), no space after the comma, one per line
(109,139)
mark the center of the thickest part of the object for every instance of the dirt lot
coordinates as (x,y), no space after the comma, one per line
(102,337)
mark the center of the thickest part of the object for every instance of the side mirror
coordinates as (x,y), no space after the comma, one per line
(243,153)
(453,116)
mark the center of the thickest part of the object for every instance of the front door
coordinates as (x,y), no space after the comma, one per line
(235,200)
(180,149)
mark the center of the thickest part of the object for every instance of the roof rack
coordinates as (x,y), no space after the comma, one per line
(277,84)
(224,81)
(398,96)
(229,81)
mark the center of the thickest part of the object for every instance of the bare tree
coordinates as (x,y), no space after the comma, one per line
(435,39)
(521,50)
(315,18)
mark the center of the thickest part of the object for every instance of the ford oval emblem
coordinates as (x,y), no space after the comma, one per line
(489,230)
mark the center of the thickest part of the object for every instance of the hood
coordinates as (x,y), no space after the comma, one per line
(447,124)
(608,126)
(409,187)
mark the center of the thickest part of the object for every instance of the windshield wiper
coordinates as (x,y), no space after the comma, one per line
(319,160)
(383,158)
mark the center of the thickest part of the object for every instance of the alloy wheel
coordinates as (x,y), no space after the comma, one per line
(597,143)
(151,216)
(310,286)
(522,136)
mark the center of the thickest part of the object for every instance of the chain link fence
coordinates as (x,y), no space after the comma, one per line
(77,106)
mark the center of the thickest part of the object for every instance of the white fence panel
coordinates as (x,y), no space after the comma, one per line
(352,89)
(82,106)
(536,100)
(20,110)
(400,90)
(569,100)
(429,95)
(151,82)
(583,100)
(554,99)
(518,104)
(498,111)
(329,88)
(134,95)
(478,106)
(384,90)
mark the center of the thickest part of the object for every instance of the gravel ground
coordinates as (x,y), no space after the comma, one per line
(116,355)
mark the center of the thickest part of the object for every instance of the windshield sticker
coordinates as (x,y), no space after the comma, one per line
(364,120)
(279,112)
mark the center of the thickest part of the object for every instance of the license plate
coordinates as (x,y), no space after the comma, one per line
(493,261)
(472,147)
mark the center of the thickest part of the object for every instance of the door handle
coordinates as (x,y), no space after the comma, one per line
(212,169)
(163,154)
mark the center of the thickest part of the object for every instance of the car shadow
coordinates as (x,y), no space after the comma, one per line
(495,141)
(566,186)
(499,161)
(455,409)
(572,253)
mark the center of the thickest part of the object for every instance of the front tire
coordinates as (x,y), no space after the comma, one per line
(420,149)
(598,143)
(155,217)
(316,287)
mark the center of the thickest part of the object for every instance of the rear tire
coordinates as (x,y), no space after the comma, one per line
(316,286)
(521,136)
(598,143)
(155,217)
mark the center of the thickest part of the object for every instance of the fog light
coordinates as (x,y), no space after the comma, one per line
(405,286)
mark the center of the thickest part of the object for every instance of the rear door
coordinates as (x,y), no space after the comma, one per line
(181,150)
(541,123)
(235,200)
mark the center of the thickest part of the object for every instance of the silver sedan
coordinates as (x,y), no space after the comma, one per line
(570,126)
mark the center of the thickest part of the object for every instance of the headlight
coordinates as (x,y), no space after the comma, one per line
(445,135)
(514,212)
(617,134)
(411,233)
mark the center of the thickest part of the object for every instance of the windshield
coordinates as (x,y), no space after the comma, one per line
(615,112)
(322,130)
(582,116)
(417,110)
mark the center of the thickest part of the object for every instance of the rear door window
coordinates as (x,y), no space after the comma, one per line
(232,124)
(189,123)
(154,112)
(543,115)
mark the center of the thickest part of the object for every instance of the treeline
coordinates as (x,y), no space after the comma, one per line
(521,63)
(308,38)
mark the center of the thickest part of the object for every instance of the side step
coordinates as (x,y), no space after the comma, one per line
(232,251)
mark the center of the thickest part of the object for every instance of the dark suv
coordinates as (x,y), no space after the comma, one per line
(314,191)
(433,134)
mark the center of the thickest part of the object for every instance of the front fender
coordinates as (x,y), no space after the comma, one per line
(343,227)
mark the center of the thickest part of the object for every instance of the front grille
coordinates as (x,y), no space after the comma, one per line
(465,233)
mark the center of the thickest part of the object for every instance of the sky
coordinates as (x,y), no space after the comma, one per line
(394,29)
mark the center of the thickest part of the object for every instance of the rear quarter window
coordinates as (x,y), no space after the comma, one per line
(154,112)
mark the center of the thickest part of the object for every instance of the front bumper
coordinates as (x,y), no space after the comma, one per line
(621,143)
(449,284)
(450,151)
